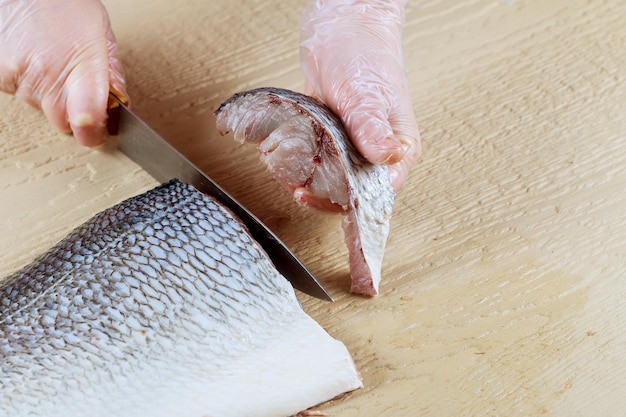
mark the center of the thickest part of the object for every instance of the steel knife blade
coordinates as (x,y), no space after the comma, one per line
(163,162)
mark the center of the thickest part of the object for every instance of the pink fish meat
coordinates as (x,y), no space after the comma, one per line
(307,150)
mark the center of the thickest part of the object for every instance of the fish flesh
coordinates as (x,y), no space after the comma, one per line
(306,148)
(162,305)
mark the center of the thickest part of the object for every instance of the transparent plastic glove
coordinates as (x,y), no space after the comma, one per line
(351,57)
(61,56)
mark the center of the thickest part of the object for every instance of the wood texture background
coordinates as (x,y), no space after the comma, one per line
(504,282)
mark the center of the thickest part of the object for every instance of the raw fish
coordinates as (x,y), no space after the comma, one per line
(306,148)
(162,305)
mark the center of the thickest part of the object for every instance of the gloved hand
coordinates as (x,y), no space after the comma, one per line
(61,56)
(351,57)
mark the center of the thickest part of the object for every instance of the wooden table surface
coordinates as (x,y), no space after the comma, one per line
(504,287)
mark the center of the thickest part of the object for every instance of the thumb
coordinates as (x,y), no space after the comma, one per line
(371,132)
(117,82)
(404,125)
(89,85)
(381,123)
(368,128)
(87,95)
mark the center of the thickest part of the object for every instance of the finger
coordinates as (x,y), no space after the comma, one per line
(372,134)
(117,81)
(53,106)
(404,125)
(308,89)
(9,73)
(88,91)
(99,73)
(399,172)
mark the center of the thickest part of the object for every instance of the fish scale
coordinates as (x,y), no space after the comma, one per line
(164,306)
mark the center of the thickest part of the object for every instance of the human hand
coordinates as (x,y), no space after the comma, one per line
(351,57)
(61,56)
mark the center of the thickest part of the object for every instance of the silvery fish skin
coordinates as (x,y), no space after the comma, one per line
(162,305)
(307,150)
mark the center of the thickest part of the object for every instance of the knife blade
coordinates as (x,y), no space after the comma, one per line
(163,162)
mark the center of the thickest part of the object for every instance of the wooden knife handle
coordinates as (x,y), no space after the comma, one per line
(113,110)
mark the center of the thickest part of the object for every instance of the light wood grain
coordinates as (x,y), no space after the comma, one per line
(504,283)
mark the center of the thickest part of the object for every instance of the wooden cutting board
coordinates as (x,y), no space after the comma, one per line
(504,282)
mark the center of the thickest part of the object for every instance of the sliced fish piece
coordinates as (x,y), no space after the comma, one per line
(162,305)
(307,150)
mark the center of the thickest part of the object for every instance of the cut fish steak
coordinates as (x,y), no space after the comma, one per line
(307,150)
(162,305)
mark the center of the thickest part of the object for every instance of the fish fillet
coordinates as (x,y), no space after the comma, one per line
(307,150)
(162,305)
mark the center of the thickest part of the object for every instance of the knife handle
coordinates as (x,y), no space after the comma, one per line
(113,110)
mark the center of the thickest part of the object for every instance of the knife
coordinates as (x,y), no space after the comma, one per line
(163,162)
